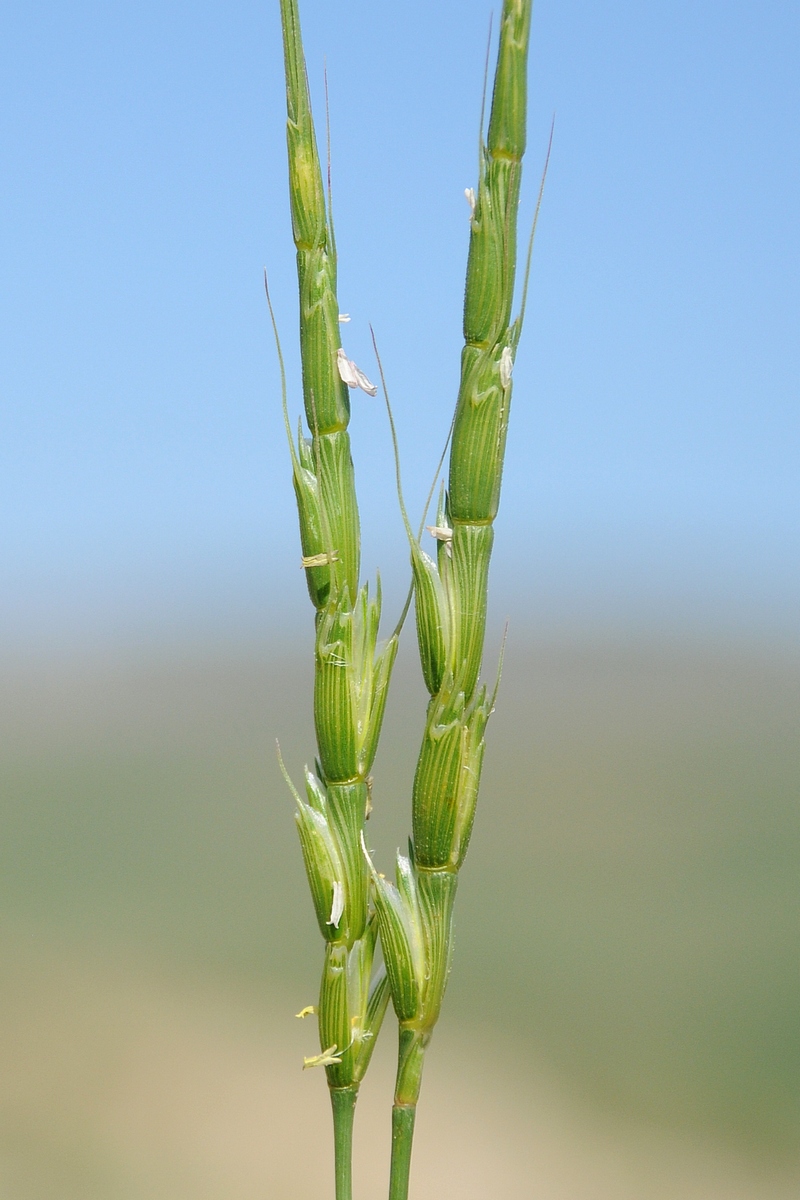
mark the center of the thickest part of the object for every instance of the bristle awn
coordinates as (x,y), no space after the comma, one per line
(352,670)
(393,431)
(500,661)
(435,479)
(281,366)
(420,564)
(484,91)
(398,479)
(520,321)
(396,452)
(415,916)
(328,156)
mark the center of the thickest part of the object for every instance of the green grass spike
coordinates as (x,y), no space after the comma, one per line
(325,394)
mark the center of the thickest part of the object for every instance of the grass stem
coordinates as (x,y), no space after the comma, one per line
(402,1136)
(343,1102)
(410,1061)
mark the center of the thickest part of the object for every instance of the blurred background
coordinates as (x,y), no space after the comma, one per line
(622,1019)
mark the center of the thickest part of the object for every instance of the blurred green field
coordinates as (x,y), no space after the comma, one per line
(629,919)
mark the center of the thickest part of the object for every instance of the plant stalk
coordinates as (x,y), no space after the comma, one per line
(343,1103)
(402,1136)
(410,1061)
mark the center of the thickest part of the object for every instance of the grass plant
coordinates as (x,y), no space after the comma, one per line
(352,672)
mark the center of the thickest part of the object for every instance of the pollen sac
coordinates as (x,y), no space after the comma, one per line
(352,375)
(447,780)
(506,366)
(351,1007)
(351,683)
(479,435)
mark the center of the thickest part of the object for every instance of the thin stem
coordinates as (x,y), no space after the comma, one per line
(343,1102)
(402,1138)
(410,1061)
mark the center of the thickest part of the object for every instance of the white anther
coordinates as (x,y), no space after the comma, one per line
(344,318)
(506,366)
(352,376)
(337,905)
(442,534)
(470,194)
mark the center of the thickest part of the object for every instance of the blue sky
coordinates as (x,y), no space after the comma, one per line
(652,476)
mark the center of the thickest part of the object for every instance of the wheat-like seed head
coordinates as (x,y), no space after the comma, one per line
(352,670)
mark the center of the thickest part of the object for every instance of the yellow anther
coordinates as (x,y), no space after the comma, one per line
(319,560)
(328,1058)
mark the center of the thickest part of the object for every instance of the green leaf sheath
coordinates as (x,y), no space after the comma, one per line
(325,493)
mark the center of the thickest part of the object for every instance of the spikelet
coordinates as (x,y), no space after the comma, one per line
(415,918)
(351,1007)
(351,684)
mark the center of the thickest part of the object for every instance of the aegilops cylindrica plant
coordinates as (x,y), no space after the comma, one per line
(353,902)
